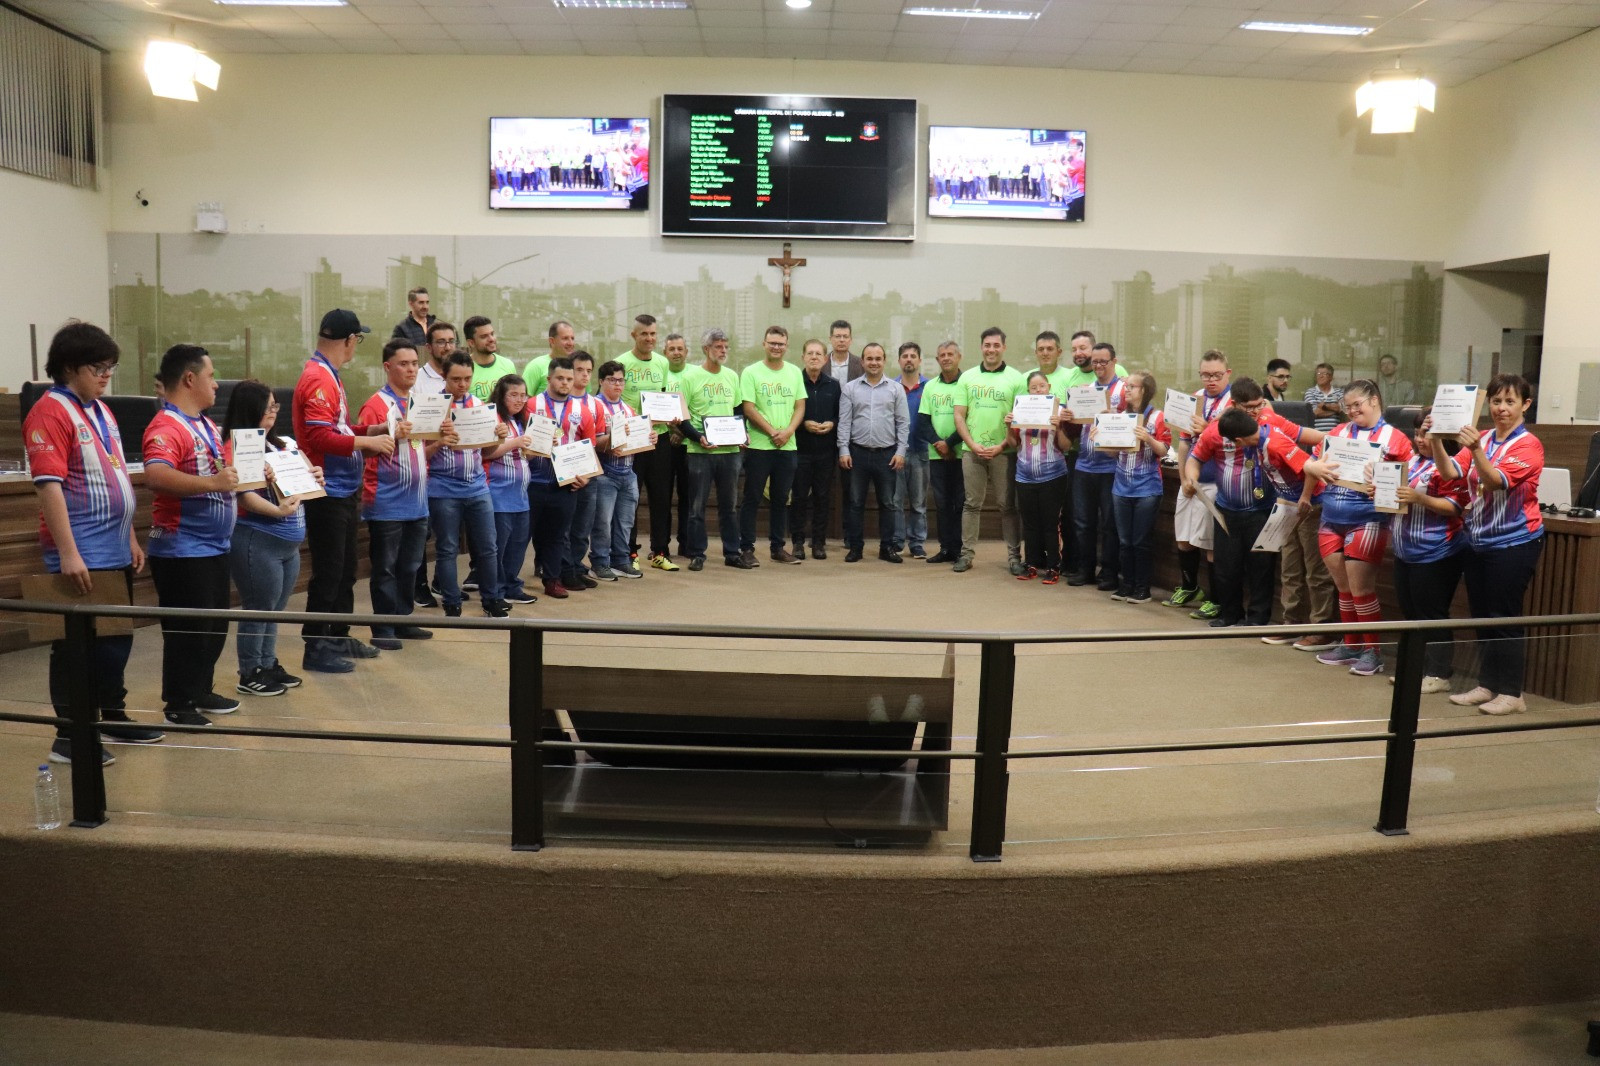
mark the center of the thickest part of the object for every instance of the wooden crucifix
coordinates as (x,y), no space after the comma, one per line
(786,263)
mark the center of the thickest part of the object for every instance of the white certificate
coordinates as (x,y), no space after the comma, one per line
(1114,432)
(249,458)
(1354,458)
(1455,407)
(721,430)
(1386,481)
(1086,401)
(1275,534)
(575,460)
(475,426)
(427,414)
(1030,411)
(291,476)
(1210,500)
(1180,411)
(541,436)
(662,406)
(630,436)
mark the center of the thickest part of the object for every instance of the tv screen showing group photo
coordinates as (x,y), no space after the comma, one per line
(987,172)
(578,163)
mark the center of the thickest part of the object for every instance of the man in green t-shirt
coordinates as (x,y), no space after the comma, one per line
(773,394)
(987,465)
(1083,343)
(645,370)
(936,422)
(488,365)
(563,342)
(711,390)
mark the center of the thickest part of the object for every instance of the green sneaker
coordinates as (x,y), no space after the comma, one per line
(1208,610)
(1181,597)
(963,564)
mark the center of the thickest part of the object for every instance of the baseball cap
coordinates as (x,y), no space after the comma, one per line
(339,324)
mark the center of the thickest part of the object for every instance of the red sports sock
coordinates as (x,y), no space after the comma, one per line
(1367,610)
(1347,613)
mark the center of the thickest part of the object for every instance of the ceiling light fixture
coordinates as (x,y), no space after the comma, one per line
(971,13)
(1308,27)
(1393,97)
(644,5)
(798,5)
(174,68)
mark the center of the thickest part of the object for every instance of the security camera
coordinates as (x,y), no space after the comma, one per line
(141,199)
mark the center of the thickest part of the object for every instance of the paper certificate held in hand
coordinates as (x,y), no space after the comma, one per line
(723,430)
(630,436)
(1275,534)
(1180,410)
(541,434)
(662,406)
(1455,407)
(1086,401)
(575,460)
(475,426)
(1355,459)
(427,414)
(1386,481)
(249,458)
(1113,432)
(1029,411)
(291,476)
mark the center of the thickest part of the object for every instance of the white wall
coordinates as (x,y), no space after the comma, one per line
(53,267)
(1478,304)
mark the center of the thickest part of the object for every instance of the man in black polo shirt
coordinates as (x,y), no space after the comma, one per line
(819,454)
(414,327)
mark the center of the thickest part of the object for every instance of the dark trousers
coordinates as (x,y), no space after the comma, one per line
(1425,591)
(1497,579)
(331,524)
(760,467)
(190,648)
(1136,517)
(949,496)
(721,470)
(681,490)
(1040,506)
(109,661)
(654,470)
(550,509)
(1068,531)
(1240,571)
(1095,524)
(869,466)
(394,549)
(813,496)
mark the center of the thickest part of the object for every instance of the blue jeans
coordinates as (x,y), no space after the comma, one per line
(265,569)
(511,536)
(1136,517)
(550,510)
(911,501)
(1094,524)
(395,551)
(582,522)
(869,466)
(761,466)
(616,502)
(723,470)
(448,515)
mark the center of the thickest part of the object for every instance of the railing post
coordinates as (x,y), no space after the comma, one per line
(83,707)
(996,685)
(1401,750)
(527,760)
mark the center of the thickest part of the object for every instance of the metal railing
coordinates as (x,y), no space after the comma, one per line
(991,753)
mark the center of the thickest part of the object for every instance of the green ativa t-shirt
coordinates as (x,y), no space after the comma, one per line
(537,374)
(939,400)
(1076,377)
(710,395)
(642,375)
(775,394)
(485,378)
(988,398)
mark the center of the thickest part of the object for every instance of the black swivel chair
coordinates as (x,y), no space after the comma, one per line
(30,392)
(1404,418)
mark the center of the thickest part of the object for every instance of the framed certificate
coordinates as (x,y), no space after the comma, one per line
(1275,534)
(1113,431)
(1455,407)
(575,460)
(1386,481)
(475,426)
(1355,459)
(427,414)
(724,430)
(292,477)
(541,436)
(1180,411)
(1029,411)
(662,406)
(249,458)
(630,436)
(1086,401)
(110,587)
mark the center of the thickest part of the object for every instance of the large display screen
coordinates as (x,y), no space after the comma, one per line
(789,166)
(984,172)
(583,163)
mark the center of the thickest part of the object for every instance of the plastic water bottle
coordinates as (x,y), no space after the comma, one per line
(46,800)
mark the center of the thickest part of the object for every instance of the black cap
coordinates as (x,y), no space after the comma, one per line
(339,324)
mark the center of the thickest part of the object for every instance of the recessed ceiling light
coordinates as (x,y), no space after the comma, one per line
(798,5)
(283,3)
(1309,27)
(646,5)
(971,13)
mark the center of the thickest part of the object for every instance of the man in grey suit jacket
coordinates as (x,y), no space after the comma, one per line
(843,366)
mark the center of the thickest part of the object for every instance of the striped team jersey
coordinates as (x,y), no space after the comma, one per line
(1091,461)
(1039,457)
(1249,477)
(187,527)
(288,527)
(457,473)
(508,475)
(394,488)
(1208,408)
(80,448)
(1502,518)
(1423,536)
(618,466)
(1347,507)
(1139,471)
(575,420)
(322,412)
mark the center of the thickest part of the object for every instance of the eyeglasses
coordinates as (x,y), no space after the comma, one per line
(359,337)
(1212,377)
(102,370)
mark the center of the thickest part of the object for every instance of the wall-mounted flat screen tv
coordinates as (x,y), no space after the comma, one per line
(789,166)
(572,163)
(987,172)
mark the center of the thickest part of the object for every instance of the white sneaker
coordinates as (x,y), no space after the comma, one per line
(1435,684)
(1503,705)
(1473,698)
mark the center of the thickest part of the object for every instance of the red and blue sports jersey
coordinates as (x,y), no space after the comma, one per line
(80,448)
(508,475)
(1502,518)
(1139,471)
(457,473)
(575,420)
(322,427)
(394,488)
(284,527)
(615,465)
(1347,507)
(187,527)
(1424,536)
(1208,408)
(1091,461)
(1249,476)
(1039,457)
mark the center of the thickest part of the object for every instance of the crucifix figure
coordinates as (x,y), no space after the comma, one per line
(787,263)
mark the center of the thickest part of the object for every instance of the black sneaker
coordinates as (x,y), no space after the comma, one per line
(452,611)
(326,662)
(387,643)
(469,585)
(356,649)
(282,676)
(260,683)
(213,703)
(697,563)
(187,716)
(524,597)
(117,726)
(497,609)
(413,633)
(61,751)
(425,598)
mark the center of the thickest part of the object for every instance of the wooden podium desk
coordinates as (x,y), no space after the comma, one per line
(1567,582)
